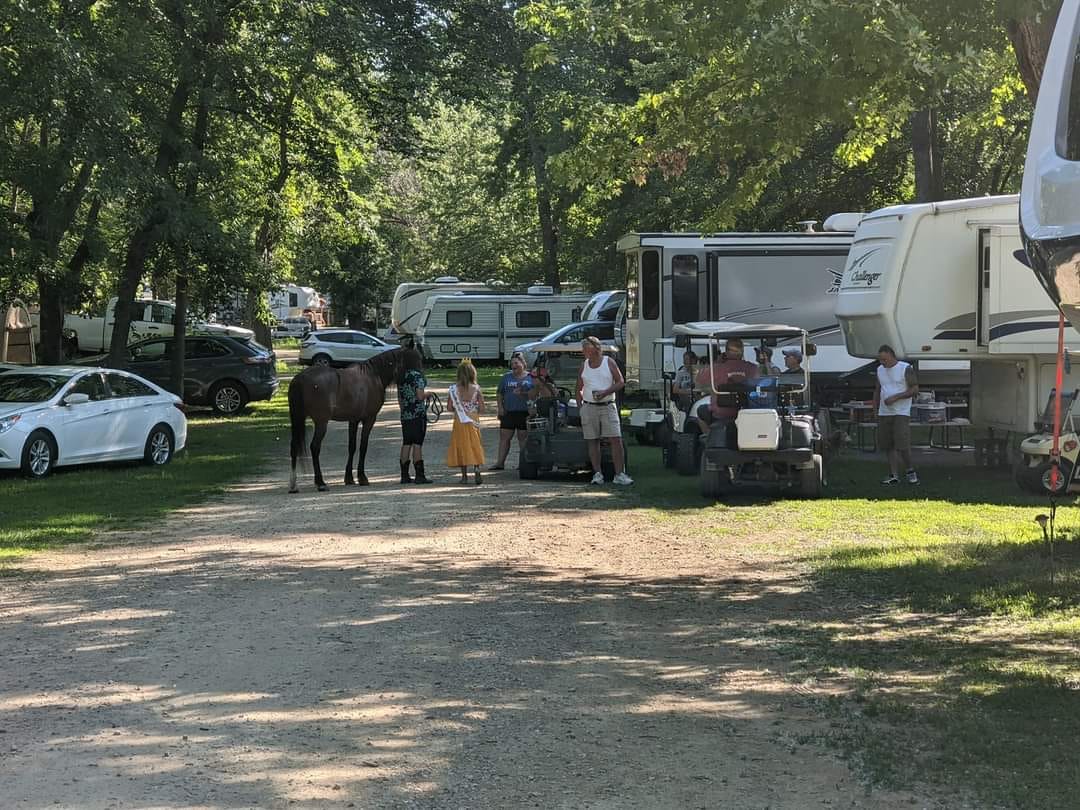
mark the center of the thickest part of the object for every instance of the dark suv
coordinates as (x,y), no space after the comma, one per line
(223,372)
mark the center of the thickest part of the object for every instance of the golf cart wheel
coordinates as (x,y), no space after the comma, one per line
(686,450)
(714,483)
(663,433)
(811,480)
(528,470)
(1040,476)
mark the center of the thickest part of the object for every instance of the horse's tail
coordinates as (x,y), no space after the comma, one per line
(298,423)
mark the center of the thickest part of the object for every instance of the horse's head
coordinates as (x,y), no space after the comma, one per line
(389,365)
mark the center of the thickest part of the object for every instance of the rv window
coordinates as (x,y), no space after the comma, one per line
(294,300)
(650,285)
(684,289)
(631,286)
(459,318)
(161,313)
(533,319)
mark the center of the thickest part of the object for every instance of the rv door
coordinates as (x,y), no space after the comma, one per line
(983,282)
(1050,196)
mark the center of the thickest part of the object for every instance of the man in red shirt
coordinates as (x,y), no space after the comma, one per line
(734,369)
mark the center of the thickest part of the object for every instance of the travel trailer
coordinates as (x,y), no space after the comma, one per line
(488,327)
(1050,196)
(942,281)
(411,298)
(679,278)
(292,300)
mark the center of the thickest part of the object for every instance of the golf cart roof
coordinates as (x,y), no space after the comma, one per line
(725,330)
(566,348)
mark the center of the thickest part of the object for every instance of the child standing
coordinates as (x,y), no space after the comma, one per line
(467,401)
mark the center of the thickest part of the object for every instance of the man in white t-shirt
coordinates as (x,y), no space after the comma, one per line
(896,388)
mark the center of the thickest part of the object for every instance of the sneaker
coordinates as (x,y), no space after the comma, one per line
(598,478)
(623,480)
(888,482)
(912,477)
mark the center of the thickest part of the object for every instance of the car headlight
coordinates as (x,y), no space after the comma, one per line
(8,422)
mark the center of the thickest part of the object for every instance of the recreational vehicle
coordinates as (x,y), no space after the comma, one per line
(293,300)
(1050,196)
(411,298)
(942,281)
(488,327)
(678,278)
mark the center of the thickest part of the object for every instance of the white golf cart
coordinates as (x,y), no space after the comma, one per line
(1033,473)
(775,442)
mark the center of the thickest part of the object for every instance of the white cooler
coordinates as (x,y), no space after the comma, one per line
(759,429)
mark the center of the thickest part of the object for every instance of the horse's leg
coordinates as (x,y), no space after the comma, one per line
(293,488)
(361,477)
(352,451)
(316,446)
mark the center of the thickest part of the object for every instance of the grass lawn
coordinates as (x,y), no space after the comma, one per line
(958,657)
(75,503)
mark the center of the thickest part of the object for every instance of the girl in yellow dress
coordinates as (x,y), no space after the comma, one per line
(467,403)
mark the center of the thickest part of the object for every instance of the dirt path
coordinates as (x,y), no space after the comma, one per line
(514,645)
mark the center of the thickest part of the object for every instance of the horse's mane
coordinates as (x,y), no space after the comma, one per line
(384,365)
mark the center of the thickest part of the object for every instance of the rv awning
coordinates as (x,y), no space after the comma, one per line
(725,330)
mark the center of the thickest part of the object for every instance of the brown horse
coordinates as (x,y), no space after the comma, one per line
(353,394)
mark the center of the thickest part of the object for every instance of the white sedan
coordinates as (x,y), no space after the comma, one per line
(339,347)
(53,416)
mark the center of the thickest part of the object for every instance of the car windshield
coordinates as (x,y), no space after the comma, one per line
(30,387)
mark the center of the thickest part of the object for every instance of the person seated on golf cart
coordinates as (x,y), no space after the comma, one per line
(765,363)
(682,388)
(732,369)
(792,360)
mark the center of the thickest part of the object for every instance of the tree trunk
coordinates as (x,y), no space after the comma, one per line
(1030,37)
(549,231)
(50,321)
(925,147)
(147,234)
(198,142)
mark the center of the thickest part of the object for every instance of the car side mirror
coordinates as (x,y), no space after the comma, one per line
(811,349)
(76,399)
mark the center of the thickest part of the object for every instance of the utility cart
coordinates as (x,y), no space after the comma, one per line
(555,442)
(775,443)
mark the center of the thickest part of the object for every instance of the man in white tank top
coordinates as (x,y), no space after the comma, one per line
(598,381)
(895,390)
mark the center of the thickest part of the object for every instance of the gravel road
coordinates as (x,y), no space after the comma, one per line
(517,644)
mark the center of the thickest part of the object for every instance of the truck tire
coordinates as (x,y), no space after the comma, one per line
(687,452)
(811,480)
(714,483)
(228,397)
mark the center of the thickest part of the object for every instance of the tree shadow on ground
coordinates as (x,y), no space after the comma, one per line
(387,682)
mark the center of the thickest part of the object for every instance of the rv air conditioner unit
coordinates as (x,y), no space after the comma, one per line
(541,290)
(447,280)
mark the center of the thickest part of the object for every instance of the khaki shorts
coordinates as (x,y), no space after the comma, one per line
(600,421)
(894,433)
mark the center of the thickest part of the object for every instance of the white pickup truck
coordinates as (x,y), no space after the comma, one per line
(149,318)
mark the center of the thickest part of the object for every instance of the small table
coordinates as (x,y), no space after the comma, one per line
(946,426)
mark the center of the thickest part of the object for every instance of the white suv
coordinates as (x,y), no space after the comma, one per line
(339,347)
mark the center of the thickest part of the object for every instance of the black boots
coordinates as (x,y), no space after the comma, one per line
(420,477)
(405,472)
